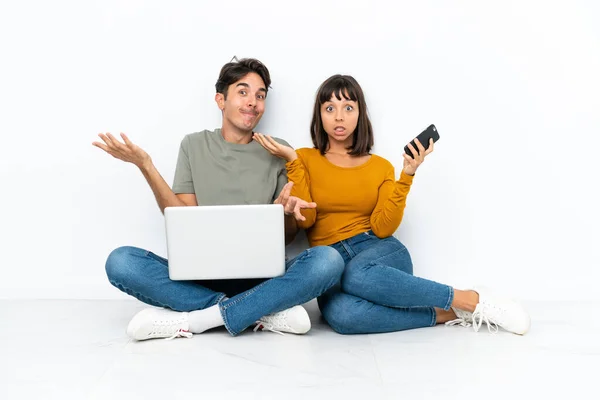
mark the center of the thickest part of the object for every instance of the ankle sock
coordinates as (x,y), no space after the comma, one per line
(203,320)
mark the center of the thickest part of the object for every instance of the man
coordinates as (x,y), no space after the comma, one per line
(224,166)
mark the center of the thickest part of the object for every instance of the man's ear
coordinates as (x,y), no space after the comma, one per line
(220,100)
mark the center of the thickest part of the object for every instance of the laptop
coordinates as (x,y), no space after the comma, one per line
(225,242)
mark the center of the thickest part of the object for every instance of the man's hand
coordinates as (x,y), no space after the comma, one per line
(127,152)
(292,204)
(411,164)
(277,149)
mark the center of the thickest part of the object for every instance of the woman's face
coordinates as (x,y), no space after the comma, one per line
(340,118)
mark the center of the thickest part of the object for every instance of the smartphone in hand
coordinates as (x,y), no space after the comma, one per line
(429,133)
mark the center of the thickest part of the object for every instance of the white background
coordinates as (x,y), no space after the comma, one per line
(509,197)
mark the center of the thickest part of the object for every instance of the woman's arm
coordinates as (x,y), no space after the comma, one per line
(391,201)
(298,174)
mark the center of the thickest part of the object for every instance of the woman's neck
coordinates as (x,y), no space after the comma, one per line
(339,148)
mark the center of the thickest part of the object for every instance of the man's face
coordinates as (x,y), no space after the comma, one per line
(245,102)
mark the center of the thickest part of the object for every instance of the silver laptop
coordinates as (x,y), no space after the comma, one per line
(225,242)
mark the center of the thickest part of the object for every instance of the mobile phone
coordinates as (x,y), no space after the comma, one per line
(430,133)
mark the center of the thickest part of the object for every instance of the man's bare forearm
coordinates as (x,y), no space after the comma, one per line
(162,191)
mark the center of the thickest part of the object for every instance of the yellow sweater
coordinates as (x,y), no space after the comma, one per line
(349,200)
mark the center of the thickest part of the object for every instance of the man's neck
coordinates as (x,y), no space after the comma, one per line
(233,135)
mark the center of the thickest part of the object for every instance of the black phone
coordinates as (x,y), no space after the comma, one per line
(430,133)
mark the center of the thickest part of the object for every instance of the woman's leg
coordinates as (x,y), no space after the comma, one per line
(348,314)
(382,274)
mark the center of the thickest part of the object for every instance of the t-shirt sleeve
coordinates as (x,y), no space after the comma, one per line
(183,183)
(282,180)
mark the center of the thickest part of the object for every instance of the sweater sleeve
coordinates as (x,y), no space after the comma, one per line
(297,173)
(388,212)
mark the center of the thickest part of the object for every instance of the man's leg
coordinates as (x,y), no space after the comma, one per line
(308,275)
(145,276)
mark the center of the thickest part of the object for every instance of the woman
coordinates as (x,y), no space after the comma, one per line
(360,205)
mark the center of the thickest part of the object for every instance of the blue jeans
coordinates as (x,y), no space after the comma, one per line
(378,291)
(145,276)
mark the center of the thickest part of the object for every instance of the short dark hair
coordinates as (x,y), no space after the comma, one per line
(234,71)
(347,87)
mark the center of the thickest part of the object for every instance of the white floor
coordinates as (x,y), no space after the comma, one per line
(78,349)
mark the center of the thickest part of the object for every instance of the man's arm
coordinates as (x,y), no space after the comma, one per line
(129,152)
(165,197)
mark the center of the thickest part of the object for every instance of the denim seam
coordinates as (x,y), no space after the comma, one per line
(348,249)
(433,316)
(347,255)
(226,321)
(218,300)
(450,298)
(151,301)
(373,262)
(446,307)
(139,296)
(450,295)
(303,256)
(157,258)
(223,307)
(244,296)
(409,307)
(390,306)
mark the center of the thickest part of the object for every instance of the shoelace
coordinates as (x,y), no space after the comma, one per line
(463,318)
(459,321)
(162,328)
(180,333)
(481,314)
(270,322)
(266,327)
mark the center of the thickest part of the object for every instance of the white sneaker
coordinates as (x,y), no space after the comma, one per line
(463,318)
(154,323)
(497,311)
(293,320)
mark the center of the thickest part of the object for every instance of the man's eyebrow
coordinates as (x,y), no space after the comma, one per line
(244,84)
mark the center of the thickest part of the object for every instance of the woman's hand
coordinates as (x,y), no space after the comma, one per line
(411,164)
